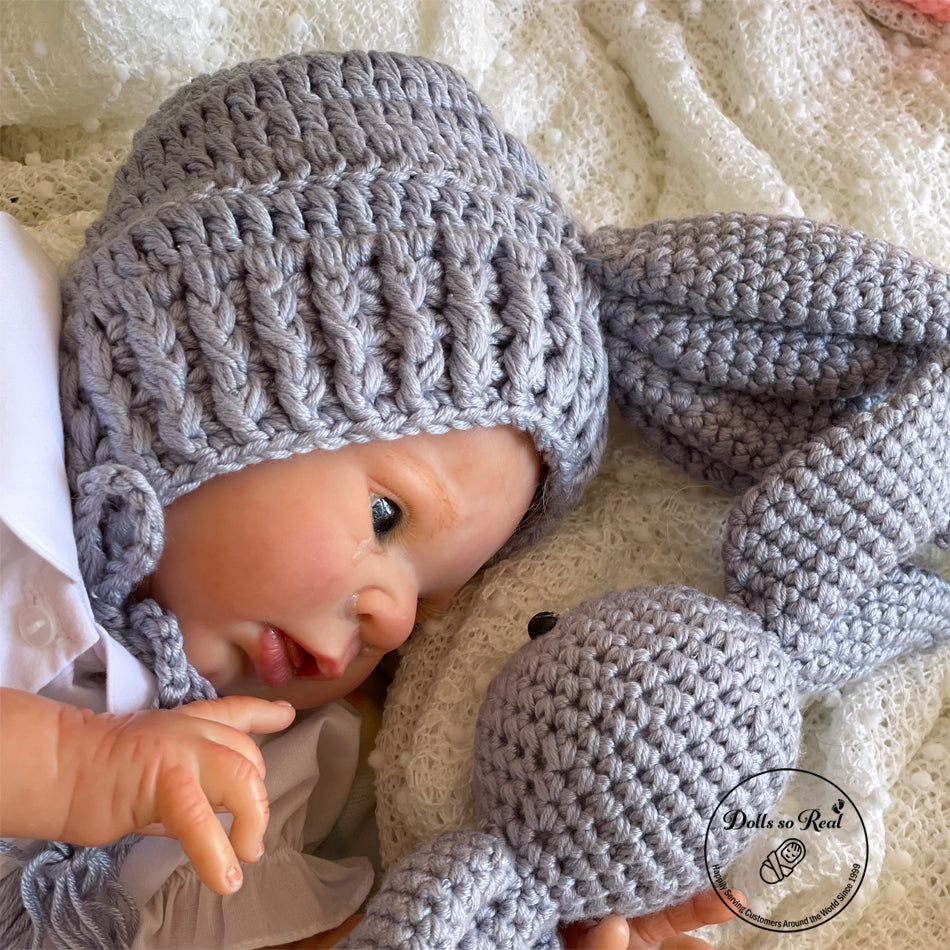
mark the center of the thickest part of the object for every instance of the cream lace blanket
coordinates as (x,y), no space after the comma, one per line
(639,109)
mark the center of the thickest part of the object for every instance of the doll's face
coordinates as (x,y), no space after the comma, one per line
(291,578)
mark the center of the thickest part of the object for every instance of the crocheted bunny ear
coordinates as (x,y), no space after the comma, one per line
(818,547)
(813,361)
(733,338)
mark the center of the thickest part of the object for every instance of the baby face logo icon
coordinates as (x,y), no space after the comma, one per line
(778,864)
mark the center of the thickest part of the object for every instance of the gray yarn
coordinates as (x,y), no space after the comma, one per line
(330,248)
(733,338)
(804,360)
(869,493)
(67,897)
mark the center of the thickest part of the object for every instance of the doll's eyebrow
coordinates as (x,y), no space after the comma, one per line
(445,514)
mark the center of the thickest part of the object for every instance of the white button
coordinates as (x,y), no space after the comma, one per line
(35,625)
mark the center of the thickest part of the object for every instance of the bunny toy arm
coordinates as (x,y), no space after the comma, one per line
(808,366)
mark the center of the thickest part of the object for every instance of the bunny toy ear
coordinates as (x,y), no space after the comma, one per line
(732,338)
(818,547)
(812,362)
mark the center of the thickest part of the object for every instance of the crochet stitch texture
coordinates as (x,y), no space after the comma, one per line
(812,364)
(333,247)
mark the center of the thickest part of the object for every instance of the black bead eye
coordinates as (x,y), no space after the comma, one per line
(386,515)
(541,623)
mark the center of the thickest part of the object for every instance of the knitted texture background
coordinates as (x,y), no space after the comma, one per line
(638,112)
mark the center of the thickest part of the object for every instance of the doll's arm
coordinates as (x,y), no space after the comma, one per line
(72,775)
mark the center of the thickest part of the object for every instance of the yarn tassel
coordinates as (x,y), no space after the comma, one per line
(68,897)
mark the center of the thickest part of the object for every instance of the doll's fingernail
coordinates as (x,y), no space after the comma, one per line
(233,877)
(260,848)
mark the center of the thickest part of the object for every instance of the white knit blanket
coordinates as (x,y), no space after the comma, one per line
(639,109)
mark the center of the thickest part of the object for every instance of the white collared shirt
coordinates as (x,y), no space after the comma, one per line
(49,641)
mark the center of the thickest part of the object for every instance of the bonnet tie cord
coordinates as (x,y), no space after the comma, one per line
(119,527)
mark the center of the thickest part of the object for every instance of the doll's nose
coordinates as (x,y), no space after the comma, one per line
(386,615)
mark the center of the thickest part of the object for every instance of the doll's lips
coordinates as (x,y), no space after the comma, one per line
(281,659)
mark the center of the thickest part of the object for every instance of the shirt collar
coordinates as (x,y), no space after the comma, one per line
(34,494)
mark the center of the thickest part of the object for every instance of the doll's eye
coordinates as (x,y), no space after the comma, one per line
(386,515)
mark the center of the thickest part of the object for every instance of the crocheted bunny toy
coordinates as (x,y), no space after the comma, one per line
(334,247)
(813,362)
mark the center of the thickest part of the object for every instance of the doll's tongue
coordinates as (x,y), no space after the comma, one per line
(278,657)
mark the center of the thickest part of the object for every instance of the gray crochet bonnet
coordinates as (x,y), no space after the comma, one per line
(331,247)
(308,252)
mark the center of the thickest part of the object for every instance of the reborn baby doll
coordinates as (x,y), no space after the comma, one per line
(332,249)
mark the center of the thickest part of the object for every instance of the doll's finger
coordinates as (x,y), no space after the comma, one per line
(228,721)
(612,933)
(701,909)
(155,829)
(245,797)
(188,816)
(685,942)
(248,714)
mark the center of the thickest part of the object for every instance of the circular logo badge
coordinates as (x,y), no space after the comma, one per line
(802,863)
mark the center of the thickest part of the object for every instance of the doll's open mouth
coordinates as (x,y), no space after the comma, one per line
(281,659)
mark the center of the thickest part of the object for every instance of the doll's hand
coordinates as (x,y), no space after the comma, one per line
(167,770)
(664,929)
